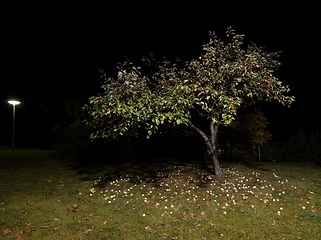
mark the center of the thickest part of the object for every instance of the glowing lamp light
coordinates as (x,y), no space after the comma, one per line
(14,103)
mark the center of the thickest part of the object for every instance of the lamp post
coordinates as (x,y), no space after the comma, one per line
(14,103)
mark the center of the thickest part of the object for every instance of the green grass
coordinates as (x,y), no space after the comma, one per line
(45,198)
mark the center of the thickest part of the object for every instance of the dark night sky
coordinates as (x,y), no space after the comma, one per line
(47,50)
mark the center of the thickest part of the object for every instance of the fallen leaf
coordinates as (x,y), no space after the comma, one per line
(17,220)
(313,210)
(17,235)
(301,198)
(148,228)
(84,220)
(30,230)
(88,230)
(6,231)
(190,215)
(75,207)
(164,213)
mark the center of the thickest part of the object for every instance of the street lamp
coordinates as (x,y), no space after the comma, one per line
(14,103)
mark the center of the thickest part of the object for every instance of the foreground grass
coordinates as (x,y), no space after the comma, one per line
(44,198)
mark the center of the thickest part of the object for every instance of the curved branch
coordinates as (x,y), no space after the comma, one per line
(211,146)
(205,137)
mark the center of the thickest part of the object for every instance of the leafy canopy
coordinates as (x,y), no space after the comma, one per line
(214,86)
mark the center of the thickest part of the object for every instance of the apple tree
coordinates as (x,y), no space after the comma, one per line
(213,88)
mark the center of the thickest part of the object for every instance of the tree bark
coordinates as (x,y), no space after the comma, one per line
(216,164)
(211,144)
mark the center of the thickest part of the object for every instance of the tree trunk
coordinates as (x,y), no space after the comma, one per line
(211,145)
(216,164)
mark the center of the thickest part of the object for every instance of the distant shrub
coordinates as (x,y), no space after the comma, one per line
(271,151)
(303,147)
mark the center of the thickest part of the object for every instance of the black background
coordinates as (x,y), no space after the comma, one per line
(49,52)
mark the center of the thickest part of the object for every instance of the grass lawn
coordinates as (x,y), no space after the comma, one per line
(45,198)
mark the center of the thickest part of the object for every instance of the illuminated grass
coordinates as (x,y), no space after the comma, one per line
(159,200)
